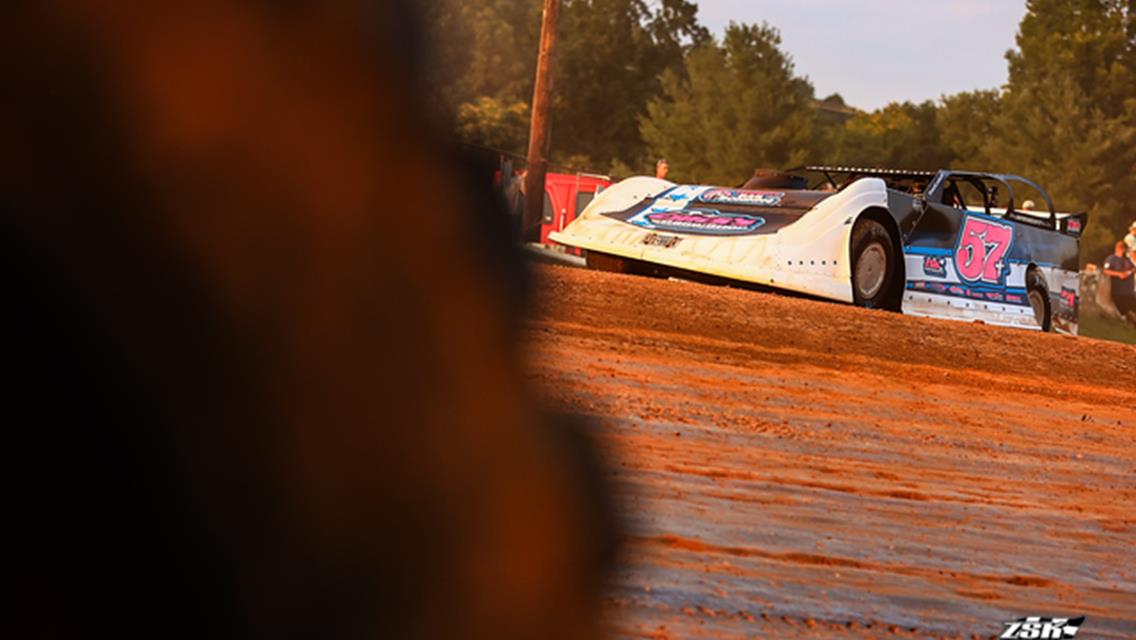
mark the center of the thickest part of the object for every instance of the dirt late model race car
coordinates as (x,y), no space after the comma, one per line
(945,244)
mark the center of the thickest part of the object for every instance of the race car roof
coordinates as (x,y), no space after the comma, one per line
(907,174)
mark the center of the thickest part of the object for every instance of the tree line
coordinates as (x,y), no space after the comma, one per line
(637,80)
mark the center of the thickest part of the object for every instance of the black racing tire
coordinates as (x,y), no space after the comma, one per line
(1038,293)
(607,262)
(875,266)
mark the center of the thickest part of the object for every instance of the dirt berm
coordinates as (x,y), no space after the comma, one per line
(793,468)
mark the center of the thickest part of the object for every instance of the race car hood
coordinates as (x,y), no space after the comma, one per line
(717,211)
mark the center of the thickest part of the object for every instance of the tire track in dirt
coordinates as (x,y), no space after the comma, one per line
(805,469)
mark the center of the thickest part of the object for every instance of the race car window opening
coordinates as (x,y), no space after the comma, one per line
(548,217)
(989,189)
(1001,199)
(981,191)
(952,196)
(583,199)
(975,192)
(1032,215)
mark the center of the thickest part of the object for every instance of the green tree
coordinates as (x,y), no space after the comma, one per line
(611,55)
(1069,111)
(900,135)
(737,107)
(492,123)
(965,123)
(1091,42)
(483,48)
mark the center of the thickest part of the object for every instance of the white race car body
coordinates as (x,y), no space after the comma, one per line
(801,240)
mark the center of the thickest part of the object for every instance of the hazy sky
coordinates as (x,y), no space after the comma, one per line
(875,51)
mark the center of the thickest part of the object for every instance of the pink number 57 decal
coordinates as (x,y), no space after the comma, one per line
(981,252)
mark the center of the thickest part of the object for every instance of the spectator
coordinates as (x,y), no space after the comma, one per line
(1119,269)
(662,168)
(1099,289)
(505,163)
(1028,205)
(1130,239)
(515,198)
(1132,259)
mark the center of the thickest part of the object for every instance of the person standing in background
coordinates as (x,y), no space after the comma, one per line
(515,198)
(1132,259)
(661,169)
(1119,269)
(1130,239)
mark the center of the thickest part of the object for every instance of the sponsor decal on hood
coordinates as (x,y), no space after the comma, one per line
(743,197)
(718,211)
(707,221)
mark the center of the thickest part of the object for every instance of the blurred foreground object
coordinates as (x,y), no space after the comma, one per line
(267,384)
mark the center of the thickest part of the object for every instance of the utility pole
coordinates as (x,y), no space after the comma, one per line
(539,138)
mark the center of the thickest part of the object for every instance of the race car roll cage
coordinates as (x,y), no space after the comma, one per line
(939,181)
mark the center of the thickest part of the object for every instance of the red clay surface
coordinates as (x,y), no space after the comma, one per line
(792,468)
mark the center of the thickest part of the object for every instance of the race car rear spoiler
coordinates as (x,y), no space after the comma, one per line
(1073,224)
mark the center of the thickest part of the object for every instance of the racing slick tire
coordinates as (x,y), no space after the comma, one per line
(1038,294)
(875,266)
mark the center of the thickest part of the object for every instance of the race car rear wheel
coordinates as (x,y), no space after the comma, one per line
(874,265)
(1038,294)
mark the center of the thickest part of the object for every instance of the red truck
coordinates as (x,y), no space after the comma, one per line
(565,197)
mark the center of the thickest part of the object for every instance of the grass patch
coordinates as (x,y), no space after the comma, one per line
(1094,325)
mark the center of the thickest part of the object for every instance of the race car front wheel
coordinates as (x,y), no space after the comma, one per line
(874,265)
(1038,295)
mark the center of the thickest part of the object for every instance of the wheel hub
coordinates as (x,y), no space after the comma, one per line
(871,270)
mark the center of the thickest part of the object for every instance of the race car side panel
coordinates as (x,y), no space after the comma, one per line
(1064,287)
(814,254)
(968,265)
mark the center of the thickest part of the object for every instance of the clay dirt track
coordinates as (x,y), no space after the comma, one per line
(793,468)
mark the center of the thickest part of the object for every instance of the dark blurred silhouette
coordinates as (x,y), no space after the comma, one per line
(262,330)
